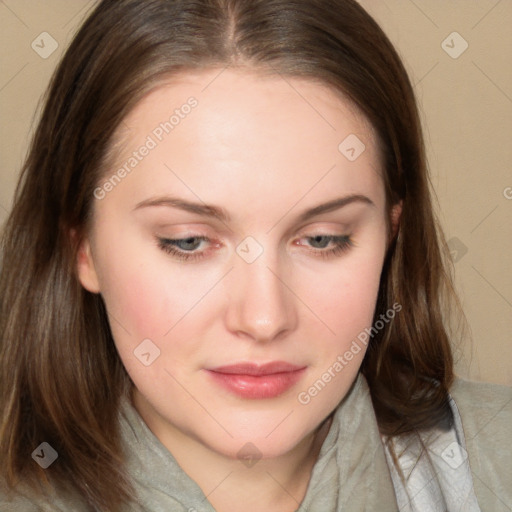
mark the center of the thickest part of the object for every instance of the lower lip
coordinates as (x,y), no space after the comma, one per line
(257,386)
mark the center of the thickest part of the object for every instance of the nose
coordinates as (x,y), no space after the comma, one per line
(261,305)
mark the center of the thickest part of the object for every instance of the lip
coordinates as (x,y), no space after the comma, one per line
(253,381)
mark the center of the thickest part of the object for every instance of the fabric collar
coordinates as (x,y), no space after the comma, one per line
(354,471)
(351,472)
(436,476)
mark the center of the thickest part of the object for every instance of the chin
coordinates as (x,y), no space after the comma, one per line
(267,440)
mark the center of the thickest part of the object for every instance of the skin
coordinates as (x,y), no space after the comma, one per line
(264,154)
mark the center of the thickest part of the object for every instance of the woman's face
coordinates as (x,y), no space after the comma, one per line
(246,330)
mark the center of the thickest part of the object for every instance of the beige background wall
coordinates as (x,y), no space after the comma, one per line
(465,95)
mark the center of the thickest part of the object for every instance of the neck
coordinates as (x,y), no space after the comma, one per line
(268,484)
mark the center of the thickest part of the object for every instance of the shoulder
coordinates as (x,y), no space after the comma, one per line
(483,406)
(486,414)
(488,394)
(26,499)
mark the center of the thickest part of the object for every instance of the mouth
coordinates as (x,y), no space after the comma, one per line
(252,381)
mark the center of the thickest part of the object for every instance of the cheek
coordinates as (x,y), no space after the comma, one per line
(135,297)
(140,287)
(143,305)
(149,297)
(346,305)
(134,288)
(346,297)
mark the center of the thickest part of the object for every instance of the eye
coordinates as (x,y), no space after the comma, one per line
(188,249)
(338,244)
(183,248)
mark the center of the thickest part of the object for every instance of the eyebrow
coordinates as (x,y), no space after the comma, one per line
(221,214)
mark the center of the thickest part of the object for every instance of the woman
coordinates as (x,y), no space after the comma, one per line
(223,284)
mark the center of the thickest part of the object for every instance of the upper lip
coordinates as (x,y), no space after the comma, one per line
(257,369)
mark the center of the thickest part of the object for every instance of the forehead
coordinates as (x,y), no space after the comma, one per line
(255,134)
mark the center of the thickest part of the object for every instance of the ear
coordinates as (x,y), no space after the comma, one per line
(85,266)
(396,213)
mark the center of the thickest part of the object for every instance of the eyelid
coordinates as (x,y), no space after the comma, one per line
(331,226)
(309,229)
(339,244)
(339,229)
(304,232)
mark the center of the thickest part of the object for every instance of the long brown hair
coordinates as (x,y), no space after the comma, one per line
(61,378)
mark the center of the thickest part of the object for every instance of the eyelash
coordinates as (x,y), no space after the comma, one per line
(342,243)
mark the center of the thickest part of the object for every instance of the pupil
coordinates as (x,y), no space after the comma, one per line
(318,239)
(189,243)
